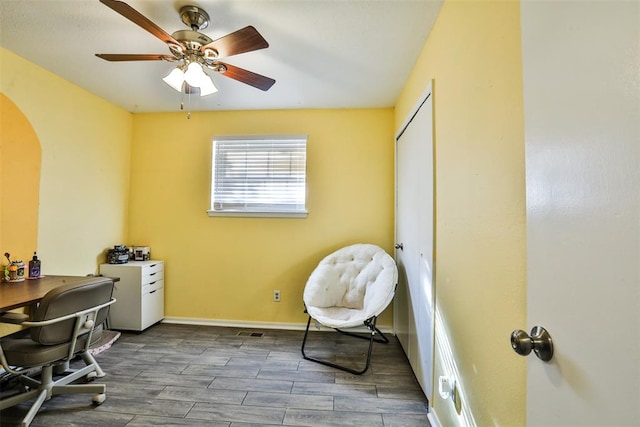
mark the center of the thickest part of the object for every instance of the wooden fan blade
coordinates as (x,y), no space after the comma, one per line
(134,57)
(256,80)
(137,18)
(244,40)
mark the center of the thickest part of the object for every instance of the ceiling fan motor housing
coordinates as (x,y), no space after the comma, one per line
(192,43)
(191,40)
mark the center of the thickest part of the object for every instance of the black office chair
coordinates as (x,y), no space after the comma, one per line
(64,326)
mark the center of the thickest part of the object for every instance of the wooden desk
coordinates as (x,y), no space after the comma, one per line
(22,294)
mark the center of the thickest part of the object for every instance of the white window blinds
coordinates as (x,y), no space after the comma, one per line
(259,174)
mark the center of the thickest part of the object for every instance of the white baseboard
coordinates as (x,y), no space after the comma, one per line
(259,325)
(433,418)
(235,323)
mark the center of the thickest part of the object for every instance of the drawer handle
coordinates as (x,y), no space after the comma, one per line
(153,265)
(152,283)
(153,291)
(153,274)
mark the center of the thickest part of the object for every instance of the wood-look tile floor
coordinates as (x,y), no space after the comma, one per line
(183,375)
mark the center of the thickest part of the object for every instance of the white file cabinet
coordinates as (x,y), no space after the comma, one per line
(139,294)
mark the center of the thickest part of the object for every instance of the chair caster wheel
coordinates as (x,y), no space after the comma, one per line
(91,376)
(99,398)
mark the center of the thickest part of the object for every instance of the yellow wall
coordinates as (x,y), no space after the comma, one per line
(84,174)
(474,56)
(227,268)
(19,188)
(19,183)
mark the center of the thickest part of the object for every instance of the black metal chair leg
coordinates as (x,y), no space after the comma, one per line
(371,324)
(373,330)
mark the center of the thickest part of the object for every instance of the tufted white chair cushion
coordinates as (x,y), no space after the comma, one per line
(351,285)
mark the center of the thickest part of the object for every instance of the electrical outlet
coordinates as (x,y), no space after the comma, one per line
(276,296)
(447,388)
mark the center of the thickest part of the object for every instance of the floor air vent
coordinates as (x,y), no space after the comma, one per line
(250,334)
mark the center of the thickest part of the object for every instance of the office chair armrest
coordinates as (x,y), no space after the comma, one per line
(97,308)
(13,318)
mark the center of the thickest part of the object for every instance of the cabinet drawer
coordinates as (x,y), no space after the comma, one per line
(152,273)
(152,307)
(150,287)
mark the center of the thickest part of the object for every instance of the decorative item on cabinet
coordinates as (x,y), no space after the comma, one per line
(139,294)
(142,253)
(118,255)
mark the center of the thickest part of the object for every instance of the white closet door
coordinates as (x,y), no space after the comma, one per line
(414,306)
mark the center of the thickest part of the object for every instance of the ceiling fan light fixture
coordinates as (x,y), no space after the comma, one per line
(207,87)
(194,75)
(175,79)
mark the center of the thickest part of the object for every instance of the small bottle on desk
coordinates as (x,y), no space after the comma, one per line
(34,267)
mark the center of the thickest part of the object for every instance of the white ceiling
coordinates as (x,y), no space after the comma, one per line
(322,53)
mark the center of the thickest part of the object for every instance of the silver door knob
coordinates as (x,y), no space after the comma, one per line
(539,341)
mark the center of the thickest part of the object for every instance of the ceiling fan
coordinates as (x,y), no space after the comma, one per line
(194,51)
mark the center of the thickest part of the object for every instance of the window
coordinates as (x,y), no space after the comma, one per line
(259,176)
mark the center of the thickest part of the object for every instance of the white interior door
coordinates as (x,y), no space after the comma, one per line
(414,304)
(582,132)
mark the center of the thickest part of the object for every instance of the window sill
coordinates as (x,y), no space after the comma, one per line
(258,214)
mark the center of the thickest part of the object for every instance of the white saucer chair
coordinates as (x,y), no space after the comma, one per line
(350,288)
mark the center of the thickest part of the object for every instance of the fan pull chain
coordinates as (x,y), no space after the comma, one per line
(189,103)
